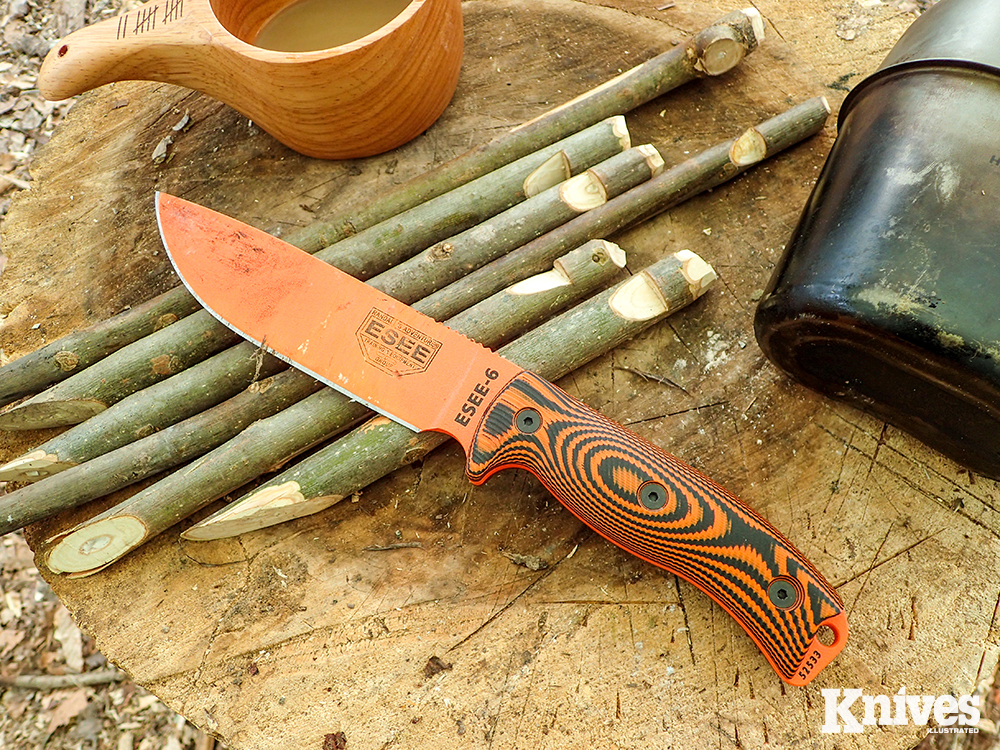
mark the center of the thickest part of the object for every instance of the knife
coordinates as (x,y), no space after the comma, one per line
(425,376)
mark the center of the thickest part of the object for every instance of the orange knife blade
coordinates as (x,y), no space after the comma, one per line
(428,377)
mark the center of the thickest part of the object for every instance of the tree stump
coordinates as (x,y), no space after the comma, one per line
(402,618)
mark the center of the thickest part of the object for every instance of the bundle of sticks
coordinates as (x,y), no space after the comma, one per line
(494,243)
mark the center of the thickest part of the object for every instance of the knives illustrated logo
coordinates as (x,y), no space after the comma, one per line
(393,346)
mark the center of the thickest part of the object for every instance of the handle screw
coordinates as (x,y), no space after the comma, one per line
(528,420)
(653,495)
(782,593)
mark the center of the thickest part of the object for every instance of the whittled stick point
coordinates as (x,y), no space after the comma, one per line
(269,507)
(552,171)
(672,284)
(384,445)
(748,149)
(32,466)
(760,142)
(638,299)
(529,302)
(620,128)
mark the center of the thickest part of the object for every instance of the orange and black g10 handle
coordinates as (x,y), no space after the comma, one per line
(658,508)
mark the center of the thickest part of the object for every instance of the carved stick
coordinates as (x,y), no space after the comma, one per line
(450,259)
(710,52)
(390,242)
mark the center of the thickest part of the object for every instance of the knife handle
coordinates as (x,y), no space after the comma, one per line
(658,508)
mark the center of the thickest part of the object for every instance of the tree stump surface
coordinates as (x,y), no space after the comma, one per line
(284,636)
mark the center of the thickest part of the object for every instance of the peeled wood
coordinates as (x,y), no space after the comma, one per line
(399,237)
(268,442)
(635,87)
(380,446)
(78,350)
(701,172)
(454,257)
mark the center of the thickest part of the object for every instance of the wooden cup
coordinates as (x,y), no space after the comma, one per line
(361,98)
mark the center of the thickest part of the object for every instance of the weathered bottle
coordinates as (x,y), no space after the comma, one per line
(888,293)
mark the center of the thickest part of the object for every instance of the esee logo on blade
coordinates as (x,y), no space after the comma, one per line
(393,346)
(950,714)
